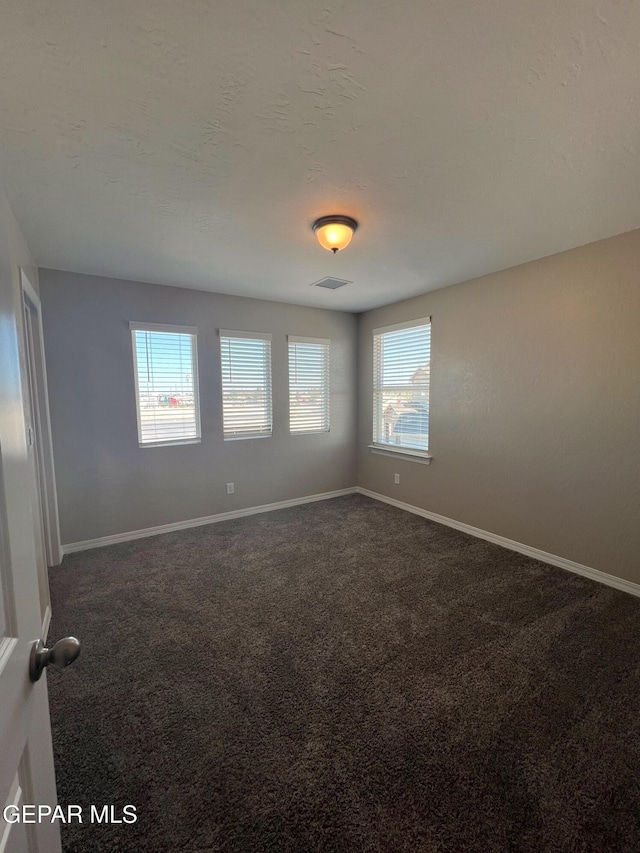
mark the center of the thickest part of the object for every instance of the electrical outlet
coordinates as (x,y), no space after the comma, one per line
(231,488)
(396,478)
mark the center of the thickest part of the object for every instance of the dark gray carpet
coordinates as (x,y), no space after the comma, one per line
(345,676)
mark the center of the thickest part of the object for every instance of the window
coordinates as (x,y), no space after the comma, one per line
(308,385)
(246,384)
(166,372)
(401,372)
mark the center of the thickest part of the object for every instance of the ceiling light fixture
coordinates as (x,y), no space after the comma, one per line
(334,232)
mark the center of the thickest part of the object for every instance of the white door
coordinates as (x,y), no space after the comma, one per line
(34,444)
(26,759)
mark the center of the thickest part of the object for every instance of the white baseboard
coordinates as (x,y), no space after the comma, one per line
(543,556)
(536,553)
(73,547)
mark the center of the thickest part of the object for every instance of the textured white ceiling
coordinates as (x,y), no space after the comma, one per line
(193,142)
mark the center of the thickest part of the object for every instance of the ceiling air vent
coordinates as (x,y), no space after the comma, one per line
(331,283)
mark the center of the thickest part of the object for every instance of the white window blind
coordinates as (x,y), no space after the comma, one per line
(166,374)
(308,385)
(246,384)
(401,374)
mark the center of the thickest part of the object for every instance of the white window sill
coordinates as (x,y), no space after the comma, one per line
(243,437)
(403,453)
(176,443)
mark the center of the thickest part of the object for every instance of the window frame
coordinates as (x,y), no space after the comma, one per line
(382,448)
(192,331)
(326,344)
(267,337)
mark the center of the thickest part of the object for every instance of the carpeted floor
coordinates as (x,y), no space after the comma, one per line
(344,676)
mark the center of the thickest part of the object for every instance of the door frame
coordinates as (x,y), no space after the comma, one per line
(42,418)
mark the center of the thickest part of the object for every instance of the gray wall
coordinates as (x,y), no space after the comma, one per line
(106,483)
(535,405)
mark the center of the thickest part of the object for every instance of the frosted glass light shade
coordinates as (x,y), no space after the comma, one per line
(334,232)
